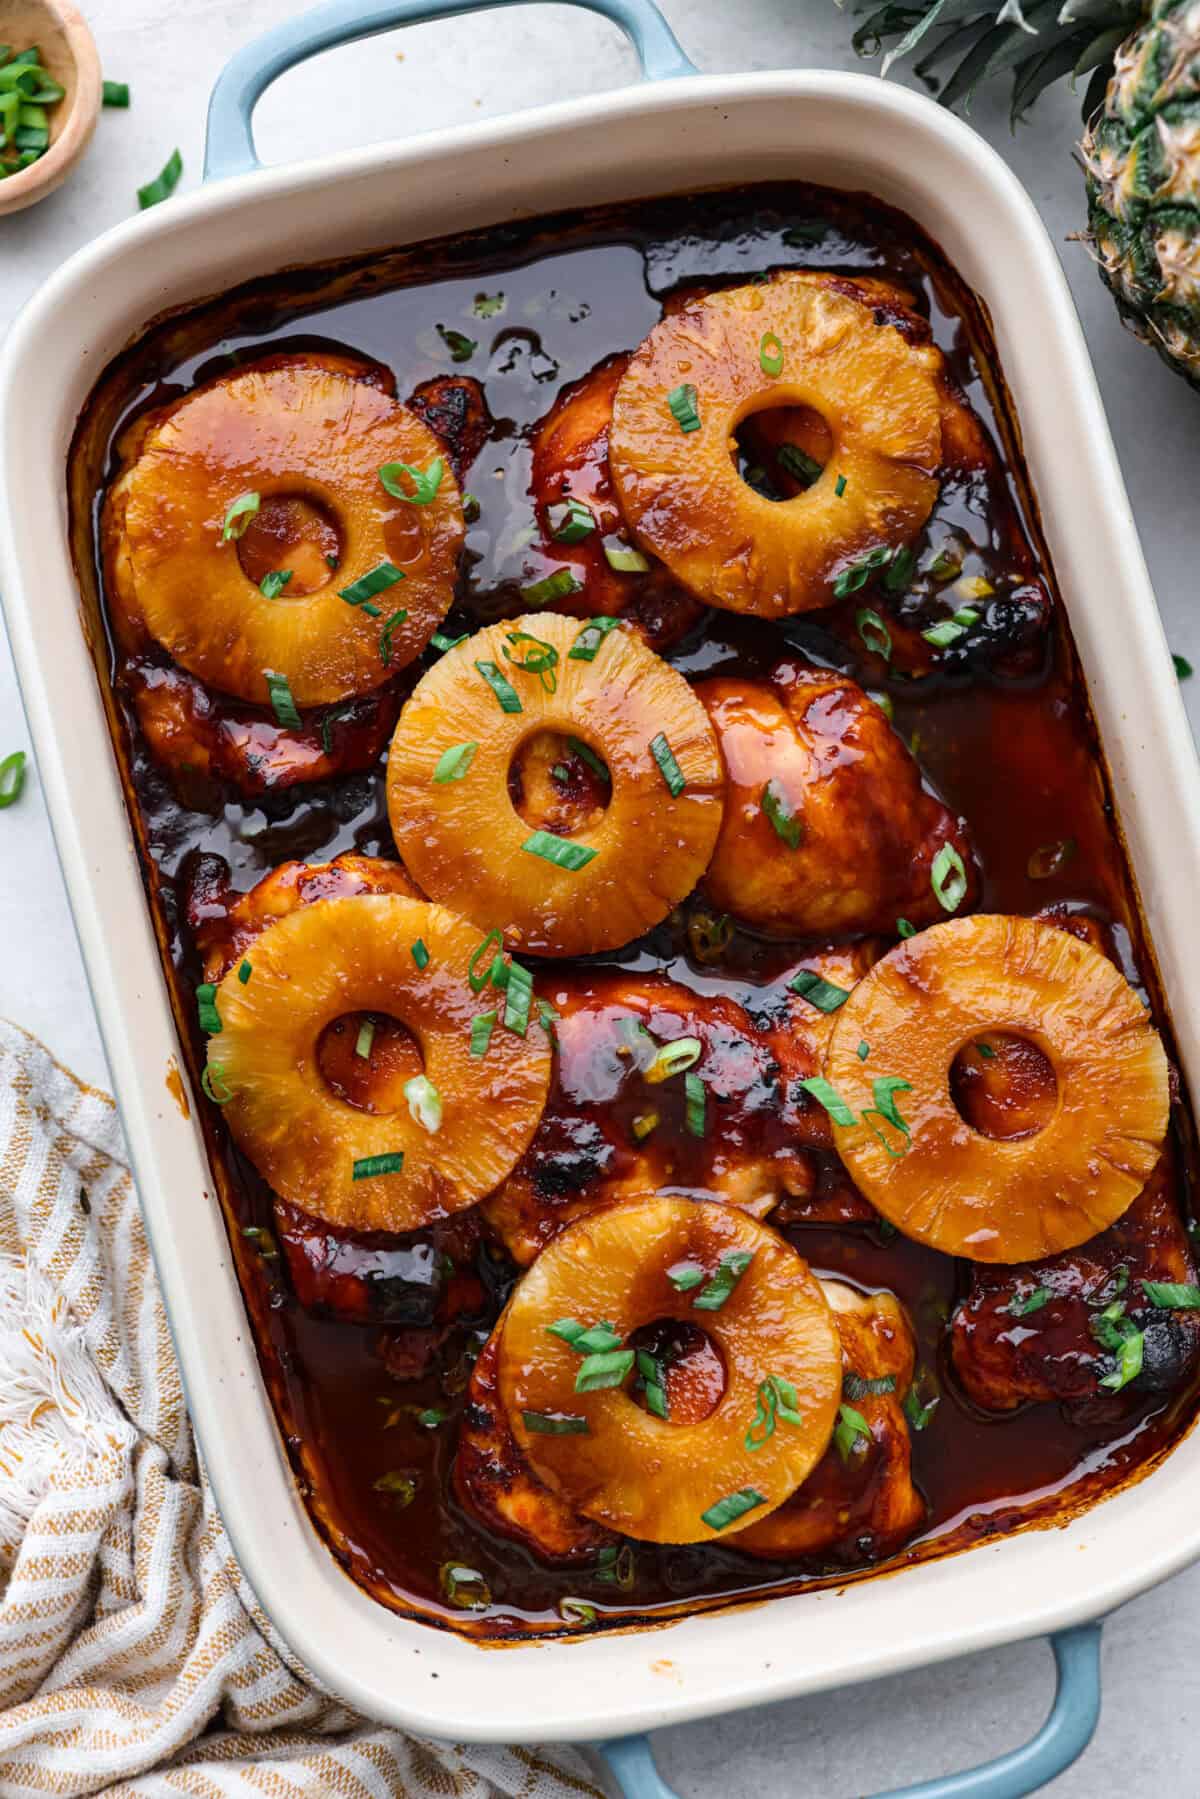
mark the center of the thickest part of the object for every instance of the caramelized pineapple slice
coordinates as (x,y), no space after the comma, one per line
(994,1198)
(471,831)
(785,343)
(399,1165)
(767,1329)
(309,439)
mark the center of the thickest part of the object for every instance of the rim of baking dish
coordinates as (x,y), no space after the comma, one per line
(391,1667)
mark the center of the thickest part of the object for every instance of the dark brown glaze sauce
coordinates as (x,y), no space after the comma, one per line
(1001,727)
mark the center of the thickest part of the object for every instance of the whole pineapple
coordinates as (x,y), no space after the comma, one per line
(1141,146)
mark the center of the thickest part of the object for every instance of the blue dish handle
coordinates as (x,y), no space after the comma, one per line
(248,74)
(1063,1737)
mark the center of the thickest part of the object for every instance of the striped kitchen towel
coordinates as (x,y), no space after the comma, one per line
(133,1657)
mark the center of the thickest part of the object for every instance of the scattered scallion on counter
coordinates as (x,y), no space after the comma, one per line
(559,850)
(164,183)
(12,779)
(682,402)
(734,1506)
(115,93)
(367,1167)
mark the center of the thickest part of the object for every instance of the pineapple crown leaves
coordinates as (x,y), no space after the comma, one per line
(964,43)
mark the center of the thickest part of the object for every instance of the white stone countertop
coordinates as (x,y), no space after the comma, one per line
(898,1730)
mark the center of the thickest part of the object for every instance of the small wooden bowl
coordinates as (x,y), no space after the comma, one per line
(69,54)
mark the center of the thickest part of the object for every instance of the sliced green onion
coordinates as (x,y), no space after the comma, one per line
(586,1339)
(424,1103)
(668,767)
(486,306)
(12,779)
(1183,667)
(115,93)
(503,689)
(556,586)
(904,929)
(818,992)
(164,183)
(559,850)
(367,1167)
(734,1506)
(828,1097)
(262,1240)
(730,1269)
(856,1386)
(365,1038)
(874,633)
(860,572)
(376,580)
(770,354)
(570,521)
(776,1400)
(695,1105)
(852,1428)
(782,815)
(420,954)
(682,402)
(673,1058)
(443,643)
(390,625)
(624,558)
(400,1488)
(588,755)
(206,1006)
(518,996)
(644,1124)
(209,1080)
(1020,1306)
(885,1089)
(1178,1295)
(608,1369)
(282,703)
(899,571)
(918,1414)
(464,1587)
(798,464)
(273,583)
(556,1424)
(590,638)
(948,878)
(241,511)
(460,346)
(616,1566)
(1050,859)
(425,482)
(452,764)
(1129,1363)
(481,1032)
(653,1384)
(476,980)
(685,1275)
(541,659)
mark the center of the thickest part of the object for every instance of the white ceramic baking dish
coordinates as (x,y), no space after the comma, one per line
(846,130)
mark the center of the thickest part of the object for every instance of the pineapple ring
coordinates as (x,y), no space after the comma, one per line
(463,840)
(680,491)
(1001,1199)
(293,428)
(355,955)
(639,1474)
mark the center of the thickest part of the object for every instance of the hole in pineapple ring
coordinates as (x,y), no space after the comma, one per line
(692,1367)
(558,783)
(293,532)
(1003,1085)
(371,1082)
(780,451)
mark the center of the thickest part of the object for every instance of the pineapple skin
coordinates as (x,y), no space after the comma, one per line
(1141,154)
